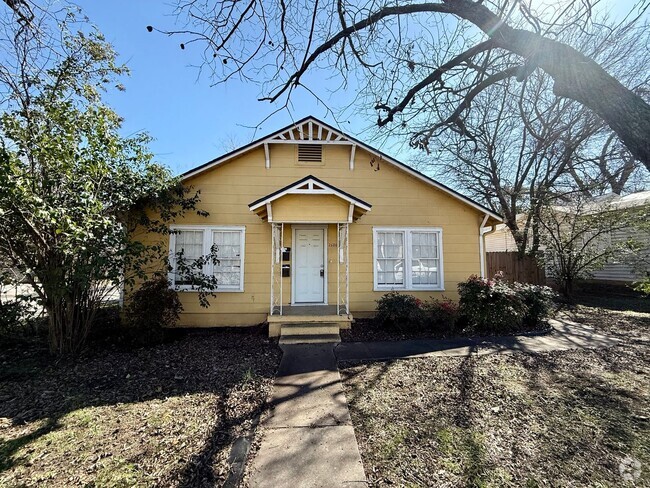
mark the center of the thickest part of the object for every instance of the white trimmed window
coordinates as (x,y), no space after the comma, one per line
(197,241)
(408,258)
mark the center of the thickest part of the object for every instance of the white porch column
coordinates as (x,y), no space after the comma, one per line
(277,238)
(343,270)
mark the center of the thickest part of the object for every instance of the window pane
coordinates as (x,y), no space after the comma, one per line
(424,271)
(190,242)
(390,258)
(228,243)
(425,245)
(424,258)
(390,244)
(228,269)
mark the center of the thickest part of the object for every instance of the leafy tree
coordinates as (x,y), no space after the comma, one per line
(75,195)
(413,56)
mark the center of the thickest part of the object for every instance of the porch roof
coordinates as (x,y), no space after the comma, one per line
(311,200)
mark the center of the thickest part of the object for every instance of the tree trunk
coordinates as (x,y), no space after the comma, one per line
(576,76)
(567,289)
(68,326)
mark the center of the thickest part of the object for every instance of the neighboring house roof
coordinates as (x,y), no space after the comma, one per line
(609,202)
(286,135)
(612,201)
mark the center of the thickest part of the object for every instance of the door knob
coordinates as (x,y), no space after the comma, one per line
(322,272)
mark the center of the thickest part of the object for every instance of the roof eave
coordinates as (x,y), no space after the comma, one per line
(258,142)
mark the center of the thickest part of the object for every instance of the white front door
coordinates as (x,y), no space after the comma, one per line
(309,266)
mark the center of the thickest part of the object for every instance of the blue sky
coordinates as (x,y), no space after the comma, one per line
(192,120)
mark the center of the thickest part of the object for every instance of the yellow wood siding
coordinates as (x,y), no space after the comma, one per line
(397,199)
(310,208)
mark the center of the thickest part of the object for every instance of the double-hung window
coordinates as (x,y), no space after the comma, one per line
(408,258)
(196,242)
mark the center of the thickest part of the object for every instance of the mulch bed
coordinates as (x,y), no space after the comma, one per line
(364,330)
(163,415)
(570,418)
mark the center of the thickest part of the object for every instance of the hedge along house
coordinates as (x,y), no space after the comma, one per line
(313,226)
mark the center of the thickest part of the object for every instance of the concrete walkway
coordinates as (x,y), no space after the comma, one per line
(307,436)
(565,335)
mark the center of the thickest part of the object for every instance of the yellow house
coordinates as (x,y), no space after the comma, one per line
(313,226)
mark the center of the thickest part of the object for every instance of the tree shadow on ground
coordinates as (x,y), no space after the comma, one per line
(426,424)
(622,302)
(35,388)
(475,465)
(594,410)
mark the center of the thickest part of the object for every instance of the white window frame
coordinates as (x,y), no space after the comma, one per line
(208,232)
(408,275)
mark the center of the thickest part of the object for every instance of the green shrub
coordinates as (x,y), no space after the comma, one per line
(643,286)
(12,314)
(538,300)
(491,306)
(495,306)
(153,307)
(397,310)
(441,316)
(17,319)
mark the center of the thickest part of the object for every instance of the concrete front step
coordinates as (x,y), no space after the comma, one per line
(306,328)
(309,338)
(278,322)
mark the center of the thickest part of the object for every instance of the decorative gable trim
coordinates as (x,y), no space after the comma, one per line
(331,136)
(312,186)
(309,131)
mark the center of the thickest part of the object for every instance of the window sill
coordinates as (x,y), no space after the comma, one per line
(194,290)
(388,288)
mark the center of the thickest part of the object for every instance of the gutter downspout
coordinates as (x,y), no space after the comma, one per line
(482,231)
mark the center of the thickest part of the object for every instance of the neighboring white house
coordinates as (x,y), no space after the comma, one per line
(501,239)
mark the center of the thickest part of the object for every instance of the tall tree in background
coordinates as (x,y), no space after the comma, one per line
(522,147)
(415,55)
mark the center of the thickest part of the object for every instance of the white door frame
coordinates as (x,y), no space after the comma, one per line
(294,228)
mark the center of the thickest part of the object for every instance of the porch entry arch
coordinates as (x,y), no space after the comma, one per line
(310,206)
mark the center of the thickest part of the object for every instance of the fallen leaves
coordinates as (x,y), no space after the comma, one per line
(159,416)
(566,418)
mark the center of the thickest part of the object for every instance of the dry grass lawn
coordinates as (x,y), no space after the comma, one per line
(158,416)
(574,418)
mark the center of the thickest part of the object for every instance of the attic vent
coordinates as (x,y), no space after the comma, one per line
(310,153)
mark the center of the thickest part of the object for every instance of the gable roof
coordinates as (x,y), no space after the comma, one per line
(283,133)
(312,182)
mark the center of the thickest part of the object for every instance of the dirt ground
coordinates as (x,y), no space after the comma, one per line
(573,418)
(157,416)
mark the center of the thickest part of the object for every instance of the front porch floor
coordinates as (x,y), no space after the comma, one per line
(317,310)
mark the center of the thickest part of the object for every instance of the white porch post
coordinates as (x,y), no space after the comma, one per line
(343,296)
(276,267)
(338,270)
(347,269)
(280,263)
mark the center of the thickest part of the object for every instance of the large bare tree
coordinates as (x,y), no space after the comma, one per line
(521,146)
(414,54)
